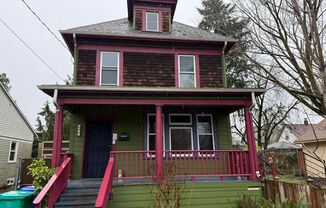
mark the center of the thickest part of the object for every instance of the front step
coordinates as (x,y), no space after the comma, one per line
(80,193)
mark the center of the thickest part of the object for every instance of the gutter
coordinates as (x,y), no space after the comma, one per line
(75,58)
(253,98)
(224,65)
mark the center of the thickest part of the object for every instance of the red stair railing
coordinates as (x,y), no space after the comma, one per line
(56,185)
(105,192)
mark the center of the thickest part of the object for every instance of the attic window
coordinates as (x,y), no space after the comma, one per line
(152,21)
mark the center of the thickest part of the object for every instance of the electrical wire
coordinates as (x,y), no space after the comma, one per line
(34,13)
(22,41)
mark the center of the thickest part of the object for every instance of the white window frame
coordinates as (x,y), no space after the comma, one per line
(206,134)
(179,70)
(170,141)
(180,114)
(16,151)
(118,68)
(157,23)
(148,134)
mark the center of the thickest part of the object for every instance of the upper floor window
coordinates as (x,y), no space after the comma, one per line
(109,68)
(152,23)
(187,71)
(13,151)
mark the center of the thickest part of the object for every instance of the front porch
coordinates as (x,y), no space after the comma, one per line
(132,134)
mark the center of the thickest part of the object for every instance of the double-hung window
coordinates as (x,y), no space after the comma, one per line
(110,68)
(13,151)
(187,71)
(181,137)
(152,23)
(151,132)
(205,133)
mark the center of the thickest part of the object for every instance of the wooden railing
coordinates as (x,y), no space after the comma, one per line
(105,192)
(56,185)
(192,163)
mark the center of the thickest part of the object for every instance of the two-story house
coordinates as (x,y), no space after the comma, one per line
(147,91)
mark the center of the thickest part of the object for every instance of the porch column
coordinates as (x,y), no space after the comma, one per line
(159,144)
(57,137)
(251,144)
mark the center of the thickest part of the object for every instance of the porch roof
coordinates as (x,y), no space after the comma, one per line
(69,90)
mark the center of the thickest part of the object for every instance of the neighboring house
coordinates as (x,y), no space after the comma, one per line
(290,132)
(314,144)
(16,137)
(147,91)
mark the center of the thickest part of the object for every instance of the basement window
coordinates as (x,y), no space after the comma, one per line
(152,21)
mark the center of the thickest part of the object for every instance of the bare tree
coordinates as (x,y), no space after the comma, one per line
(288,37)
(270,111)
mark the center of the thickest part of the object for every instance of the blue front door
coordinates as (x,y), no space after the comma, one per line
(97,148)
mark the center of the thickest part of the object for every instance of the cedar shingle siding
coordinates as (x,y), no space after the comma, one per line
(148,70)
(210,71)
(86,67)
(138,19)
(166,21)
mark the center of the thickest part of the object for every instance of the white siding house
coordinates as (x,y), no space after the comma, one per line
(16,137)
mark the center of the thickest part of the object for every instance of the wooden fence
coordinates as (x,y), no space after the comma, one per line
(278,191)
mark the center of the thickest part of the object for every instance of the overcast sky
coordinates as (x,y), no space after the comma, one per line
(25,70)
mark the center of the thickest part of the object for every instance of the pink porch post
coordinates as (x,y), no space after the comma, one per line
(251,144)
(159,144)
(57,138)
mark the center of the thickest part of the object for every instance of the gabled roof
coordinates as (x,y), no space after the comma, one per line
(123,28)
(298,129)
(18,109)
(283,145)
(309,136)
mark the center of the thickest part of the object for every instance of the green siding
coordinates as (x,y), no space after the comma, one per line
(213,194)
(130,120)
(224,132)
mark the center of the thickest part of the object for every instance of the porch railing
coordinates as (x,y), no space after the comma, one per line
(56,185)
(105,192)
(192,163)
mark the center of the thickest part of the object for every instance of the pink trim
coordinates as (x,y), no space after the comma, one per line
(121,69)
(152,8)
(197,71)
(56,185)
(57,138)
(159,144)
(176,67)
(140,101)
(98,65)
(191,163)
(105,192)
(150,50)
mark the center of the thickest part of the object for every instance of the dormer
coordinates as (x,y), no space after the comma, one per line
(151,15)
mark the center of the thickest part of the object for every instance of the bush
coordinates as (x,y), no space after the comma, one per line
(41,174)
(252,202)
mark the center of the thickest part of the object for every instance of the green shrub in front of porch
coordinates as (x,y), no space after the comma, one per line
(246,201)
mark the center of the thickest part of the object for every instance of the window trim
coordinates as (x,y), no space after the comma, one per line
(194,72)
(170,140)
(16,151)
(180,114)
(118,68)
(148,134)
(212,128)
(158,21)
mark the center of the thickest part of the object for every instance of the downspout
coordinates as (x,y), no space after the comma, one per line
(225,84)
(55,97)
(75,59)
(253,99)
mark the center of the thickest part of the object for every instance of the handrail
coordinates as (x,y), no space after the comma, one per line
(105,192)
(55,186)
